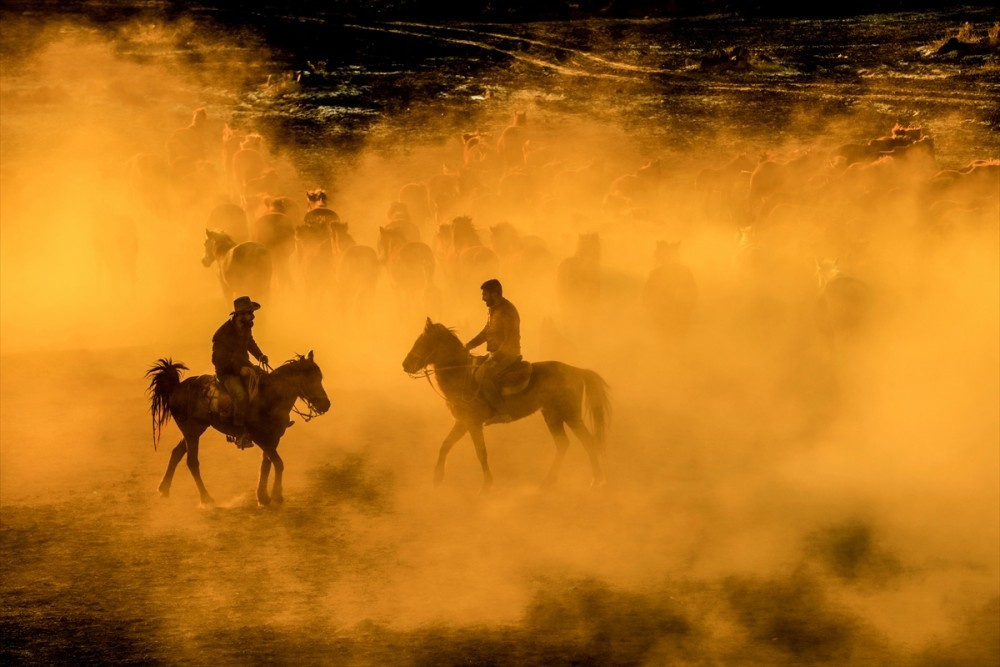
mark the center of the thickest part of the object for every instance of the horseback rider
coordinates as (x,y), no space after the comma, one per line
(232,346)
(502,335)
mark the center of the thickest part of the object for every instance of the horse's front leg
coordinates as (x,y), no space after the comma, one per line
(168,477)
(277,496)
(195,467)
(456,433)
(479,441)
(265,471)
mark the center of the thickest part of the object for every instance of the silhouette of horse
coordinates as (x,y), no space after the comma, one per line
(229,218)
(562,392)
(275,230)
(199,402)
(510,145)
(410,266)
(670,292)
(356,268)
(844,302)
(467,261)
(244,268)
(314,250)
(579,282)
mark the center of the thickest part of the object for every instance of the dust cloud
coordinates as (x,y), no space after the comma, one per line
(786,486)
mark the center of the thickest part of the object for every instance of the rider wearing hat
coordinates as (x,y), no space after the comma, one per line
(502,335)
(232,346)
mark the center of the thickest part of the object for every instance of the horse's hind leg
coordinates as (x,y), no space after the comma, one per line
(175,457)
(593,450)
(558,430)
(480,443)
(195,467)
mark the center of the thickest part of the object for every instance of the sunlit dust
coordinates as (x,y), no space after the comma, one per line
(798,319)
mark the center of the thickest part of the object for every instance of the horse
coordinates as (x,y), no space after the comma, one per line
(244,268)
(410,267)
(199,402)
(579,282)
(562,392)
(466,259)
(670,292)
(356,270)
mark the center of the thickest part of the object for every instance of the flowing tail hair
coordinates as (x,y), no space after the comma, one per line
(165,376)
(597,404)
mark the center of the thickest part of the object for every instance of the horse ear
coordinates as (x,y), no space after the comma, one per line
(428,324)
(310,355)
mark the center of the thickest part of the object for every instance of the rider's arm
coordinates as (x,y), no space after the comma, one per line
(254,349)
(478,340)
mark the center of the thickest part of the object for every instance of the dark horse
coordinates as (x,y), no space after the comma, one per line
(195,404)
(562,392)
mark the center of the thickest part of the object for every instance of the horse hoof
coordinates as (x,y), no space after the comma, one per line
(164,493)
(263,501)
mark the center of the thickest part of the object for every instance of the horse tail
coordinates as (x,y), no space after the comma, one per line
(165,376)
(597,404)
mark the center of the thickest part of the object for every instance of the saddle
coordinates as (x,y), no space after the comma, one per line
(515,378)
(216,401)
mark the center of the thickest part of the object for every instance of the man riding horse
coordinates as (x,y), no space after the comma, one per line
(502,335)
(232,346)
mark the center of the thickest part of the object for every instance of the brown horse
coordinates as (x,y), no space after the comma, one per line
(199,402)
(410,267)
(562,392)
(244,268)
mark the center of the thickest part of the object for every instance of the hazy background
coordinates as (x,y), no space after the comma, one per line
(773,498)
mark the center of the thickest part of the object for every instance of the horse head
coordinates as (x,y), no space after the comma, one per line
(435,340)
(308,379)
(216,245)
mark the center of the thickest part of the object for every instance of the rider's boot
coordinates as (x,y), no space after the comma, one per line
(492,397)
(243,439)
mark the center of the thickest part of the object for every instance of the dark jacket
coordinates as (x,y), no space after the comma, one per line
(231,349)
(502,333)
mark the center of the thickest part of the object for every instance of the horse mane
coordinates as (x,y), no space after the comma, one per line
(447,332)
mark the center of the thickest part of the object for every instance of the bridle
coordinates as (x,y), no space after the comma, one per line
(427,372)
(312,413)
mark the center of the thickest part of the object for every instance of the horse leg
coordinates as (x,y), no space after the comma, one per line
(265,471)
(557,428)
(175,457)
(456,433)
(277,496)
(195,467)
(480,442)
(593,450)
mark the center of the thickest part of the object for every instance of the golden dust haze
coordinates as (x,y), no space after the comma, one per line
(778,494)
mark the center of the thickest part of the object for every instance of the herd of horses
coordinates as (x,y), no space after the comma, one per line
(443,235)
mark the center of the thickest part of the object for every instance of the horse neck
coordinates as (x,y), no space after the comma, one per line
(342,240)
(281,389)
(452,364)
(223,245)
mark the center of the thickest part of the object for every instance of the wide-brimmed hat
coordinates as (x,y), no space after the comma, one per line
(243,304)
